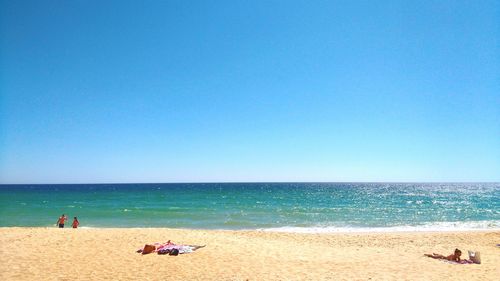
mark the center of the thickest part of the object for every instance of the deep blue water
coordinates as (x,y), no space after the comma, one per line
(277,206)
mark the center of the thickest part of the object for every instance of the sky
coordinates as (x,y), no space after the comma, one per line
(249,91)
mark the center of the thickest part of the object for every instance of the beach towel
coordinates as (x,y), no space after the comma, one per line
(168,248)
(460,262)
(183,249)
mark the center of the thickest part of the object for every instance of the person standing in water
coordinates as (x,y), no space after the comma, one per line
(62,219)
(75,223)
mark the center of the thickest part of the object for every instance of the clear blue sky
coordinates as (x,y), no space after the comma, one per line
(192,91)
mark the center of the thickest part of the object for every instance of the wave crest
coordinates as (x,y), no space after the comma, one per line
(431,226)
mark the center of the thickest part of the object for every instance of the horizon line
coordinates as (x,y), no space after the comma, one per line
(246,182)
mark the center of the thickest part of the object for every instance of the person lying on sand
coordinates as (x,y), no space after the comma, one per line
(148,248)
(453,257)
(167,247)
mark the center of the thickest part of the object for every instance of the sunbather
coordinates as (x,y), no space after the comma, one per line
(453,257)
(167,247)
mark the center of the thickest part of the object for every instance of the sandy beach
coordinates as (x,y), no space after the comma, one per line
(109,254)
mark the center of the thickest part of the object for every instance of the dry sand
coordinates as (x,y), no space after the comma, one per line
(109,254)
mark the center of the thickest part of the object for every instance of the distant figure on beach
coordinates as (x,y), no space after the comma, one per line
(75,223)
(62,219)
(453,257)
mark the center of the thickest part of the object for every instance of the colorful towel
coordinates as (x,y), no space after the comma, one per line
(167,247)
(460,262)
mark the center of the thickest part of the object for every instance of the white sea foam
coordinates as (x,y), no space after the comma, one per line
(434,226)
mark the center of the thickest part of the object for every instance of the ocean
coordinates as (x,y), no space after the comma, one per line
(292,207)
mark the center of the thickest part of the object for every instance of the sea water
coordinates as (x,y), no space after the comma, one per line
(296,207)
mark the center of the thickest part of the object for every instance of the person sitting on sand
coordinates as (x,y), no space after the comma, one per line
(76,223)
(62,219)
(453,257)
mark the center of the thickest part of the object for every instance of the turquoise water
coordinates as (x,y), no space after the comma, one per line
(307,207)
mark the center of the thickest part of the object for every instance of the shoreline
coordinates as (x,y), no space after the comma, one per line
(292,230)
(104,253)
